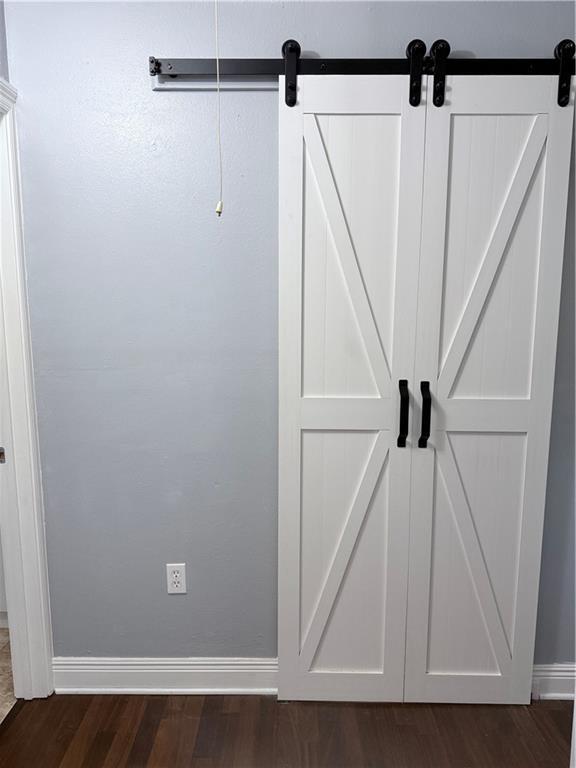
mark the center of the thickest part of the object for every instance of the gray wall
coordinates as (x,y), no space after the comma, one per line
(555,635)
(154,323)
(3,52)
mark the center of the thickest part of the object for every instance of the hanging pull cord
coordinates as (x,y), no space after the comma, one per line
(218,118)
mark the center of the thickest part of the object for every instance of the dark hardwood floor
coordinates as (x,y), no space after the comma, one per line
(259,732)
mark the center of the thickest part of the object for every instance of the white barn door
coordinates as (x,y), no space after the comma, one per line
(351,164)
(496,176)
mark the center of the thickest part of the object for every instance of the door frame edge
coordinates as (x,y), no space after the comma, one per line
(22,528)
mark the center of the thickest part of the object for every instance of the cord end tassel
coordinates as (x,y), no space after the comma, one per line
(218,112)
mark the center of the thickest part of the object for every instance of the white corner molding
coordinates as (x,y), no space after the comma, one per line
(554,681)
(189,675)
(22,511)
(8,96)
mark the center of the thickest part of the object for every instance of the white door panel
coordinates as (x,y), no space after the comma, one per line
(494,207)
(350,190)
(421,244)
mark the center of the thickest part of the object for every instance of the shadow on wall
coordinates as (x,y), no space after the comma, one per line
(555,636)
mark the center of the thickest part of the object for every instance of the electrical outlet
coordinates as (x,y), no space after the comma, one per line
(176,578)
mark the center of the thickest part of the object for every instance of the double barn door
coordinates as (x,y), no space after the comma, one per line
(419,245)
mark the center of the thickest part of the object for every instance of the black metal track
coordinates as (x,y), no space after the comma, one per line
(416,64)
(274,67)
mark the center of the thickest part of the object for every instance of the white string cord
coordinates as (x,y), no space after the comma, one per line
(218,119)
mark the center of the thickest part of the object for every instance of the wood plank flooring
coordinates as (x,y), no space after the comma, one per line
(258,732)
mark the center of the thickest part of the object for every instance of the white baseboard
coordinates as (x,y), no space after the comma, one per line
(554,681)
(226,675)
(160,675)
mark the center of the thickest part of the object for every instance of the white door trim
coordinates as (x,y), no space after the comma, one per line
(22,517)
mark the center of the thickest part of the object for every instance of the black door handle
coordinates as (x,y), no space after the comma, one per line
(404,406)
(426,412)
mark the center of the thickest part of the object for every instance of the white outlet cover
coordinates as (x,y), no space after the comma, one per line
(176,578)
